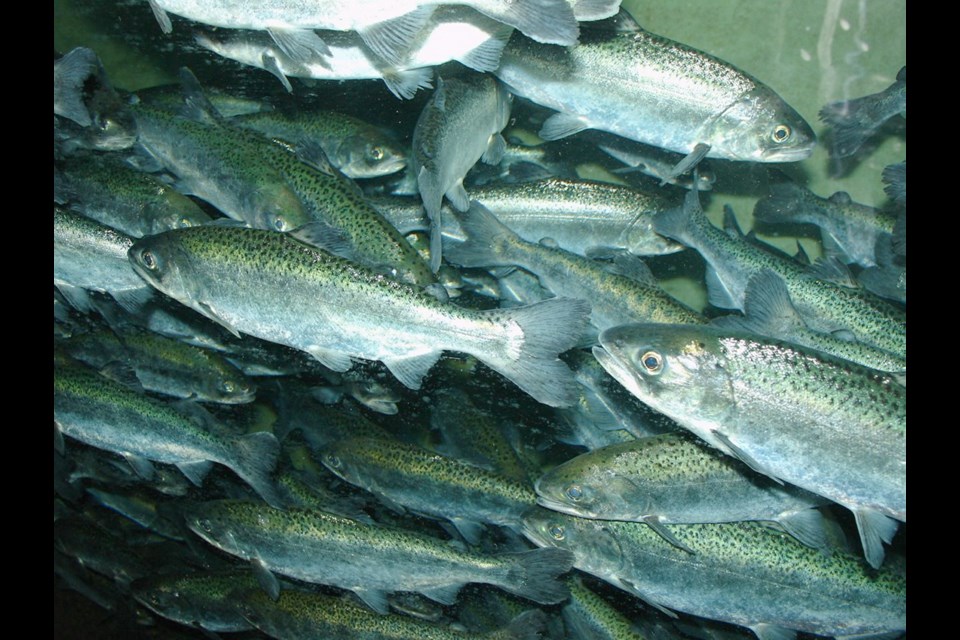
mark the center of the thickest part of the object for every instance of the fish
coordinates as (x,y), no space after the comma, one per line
(459,126)
(355,147)
(632,294)
(272,286)
(370,560)
(854,121)
(387,28)
(673,479)
(826,425)
(848,229)
(451,33)
(653,90)
(823,305)
(98,549)
(585,217)
(108,415)
(429,483)
(205,600)
(342,221)
(115,194)
(224,166)
(476,435)
(88,255)
(348,60)
(301,615)
(163,364)
(743,573)
(653,162)
(768,311)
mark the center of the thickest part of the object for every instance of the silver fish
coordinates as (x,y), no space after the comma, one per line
(653,90)
(272,286)
(827,425)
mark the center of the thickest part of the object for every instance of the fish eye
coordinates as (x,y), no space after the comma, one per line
(205,525)
(229,387)
(574,492)
(557,532)
(333,461)
(185,222)
(376,153)
(148,260)
(781,133)
(279,223)
(652,362)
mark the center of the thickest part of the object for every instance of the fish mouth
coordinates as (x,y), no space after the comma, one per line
(794,154)
(562,507)
(240,398)
(391,166)
(384,168)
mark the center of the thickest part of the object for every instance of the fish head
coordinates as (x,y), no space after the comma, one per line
(347,458)
(587,487)
(277,208)
(360,156)
(163,596)
(596,549)
(678,370)
(158,259)
(760,127)
(232,389)
(227,524)
(173,211)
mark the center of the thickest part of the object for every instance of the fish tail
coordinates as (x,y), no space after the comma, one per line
(257,455)
(783,205)
(73,69)
(852,122)
(681,223)
(547,21)
(485,238)
(533,574)
(546,329)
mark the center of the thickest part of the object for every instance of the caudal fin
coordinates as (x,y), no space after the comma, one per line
(546,329)
(534,574)
(257,455)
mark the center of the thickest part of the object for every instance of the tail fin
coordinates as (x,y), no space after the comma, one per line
(70,73)
(547,328)
(533,574)
(547,21)
(783,205)
(257,455)
(485,238)
(680,223)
